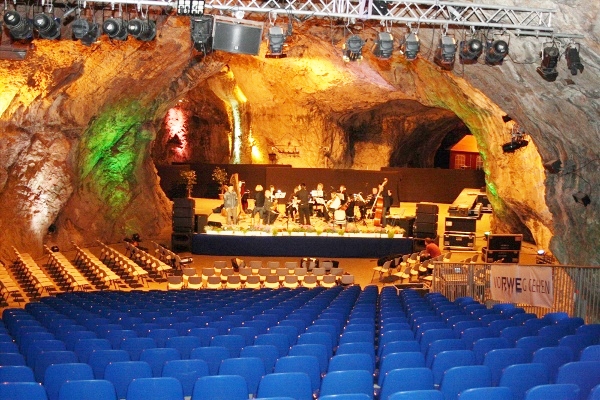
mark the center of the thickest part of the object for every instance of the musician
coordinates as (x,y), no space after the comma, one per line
(387,204)
(230,202)
(259,203)
(269,214)
(343,196)
(291,208)
(303,206)
(366,210)
(338,201)
(317,201)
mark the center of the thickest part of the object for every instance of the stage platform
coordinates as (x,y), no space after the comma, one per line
(299,246)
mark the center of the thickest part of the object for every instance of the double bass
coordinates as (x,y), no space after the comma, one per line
(378,205)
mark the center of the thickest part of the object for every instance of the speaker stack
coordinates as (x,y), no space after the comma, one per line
(183,224)
(503,248)
(425,225)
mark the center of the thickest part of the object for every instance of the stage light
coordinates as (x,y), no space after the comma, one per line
(202,33)
(19,26)
(142,29)
(513,145)
(496,51)
(353,48)
(411,46)
(445,53)
(573,61)
(506,118)
(582,198)
(547,69)
(276,39)
(541,252)
(84,31)
(553,166)
(115,28)
(47,27)
(384,45)
(470,50)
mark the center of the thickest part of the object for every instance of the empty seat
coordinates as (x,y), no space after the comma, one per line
(163,388)
(77,390)
(252,369)
(278,340)
(184,344)
(345,362)
(482,346)
(16,373)
(417,395)
(268,353)
(446,360)
(57,374)
(458,379)
(400,360)
(187,372)
(286,384)
(405,379)
(556,391)
(44,359)
(498,359)
(305,364)
(553,358)
(347,382)
(521,377)
(212,355)
(156,358)
(487,393)
(317,350)
(22,391)
(134,346)
(585,374)
(99,359)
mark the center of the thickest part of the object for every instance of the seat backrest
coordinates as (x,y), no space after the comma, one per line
(99,359)
(121,373)
(487,393)
(57,374)
(553,358)
(158,388)
(306,364)
(344,362)
(231,387)
(252,369)
(445,360)
(347,382)
(498,359)
(186,372)
(483,345)
(522,377)
(44,359)
(16,373)
(458,379)
(405,379)
(286,384)
(158,357)
(317,350)
(184,344)
(279,340)
(135,345)
(77,390)
(22,391)
(590,353)
(585,374)
(212,355)
(566,391)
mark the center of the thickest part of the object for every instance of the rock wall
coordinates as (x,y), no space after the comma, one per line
(81,127)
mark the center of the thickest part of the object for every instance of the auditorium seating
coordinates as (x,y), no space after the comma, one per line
(339,341)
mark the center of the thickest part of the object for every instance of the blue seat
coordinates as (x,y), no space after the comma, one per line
(212,355)
(99,359)
(116,336)
(12,359)
(459,379)
(287,384)
(577,343)
(39,346)
(358,347)
(289,330)
(461,326)
(222,326)
(121,373)
(57,374)
(398,347)
(434,334)
(449,359)
(233,343)
(535,324)
(394,336)
(327,328)
(77,390)
(135,345)
(520,318)
(514,333)
(25,340)
(252,369)
(344,362)
(323,338)
(249,333)
(417,395)
(592,329)
(8,347)
(304,364)
(585,374)
(498,359)
(555,391)
(357,336)
(71,338)
(22,391)
(590,353)
(487,393)
(183,344)
(268,353)
(393,361)
(595,393)
(482,346)
(554,317)
(532,343)
(471,335)
(553,358)
(84,347)
(45,359)
(155,389)
(16,373)
(555,331)
(317,350)
(347,382)
(204,334)
(404,379)
(186,372)
(438,346)
(161,335)
(158,357)
(352,396)
(219,387)
(521,377)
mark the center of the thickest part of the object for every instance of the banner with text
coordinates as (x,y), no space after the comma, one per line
(522,284)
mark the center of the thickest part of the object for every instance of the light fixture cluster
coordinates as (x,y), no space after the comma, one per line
(47,26)
(469,51)
(352,49)
(550,55)
(517,138)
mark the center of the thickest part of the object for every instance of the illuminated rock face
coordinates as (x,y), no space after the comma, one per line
(81,128)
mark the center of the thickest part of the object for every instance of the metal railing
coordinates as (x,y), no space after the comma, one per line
(576,289)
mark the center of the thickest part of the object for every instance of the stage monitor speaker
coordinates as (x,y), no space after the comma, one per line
(234,37)
(504,242)
(427,208)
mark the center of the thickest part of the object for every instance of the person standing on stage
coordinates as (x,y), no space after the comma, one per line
(259,202)
(230,202)
(303,206)
(387,204)
(343,196)
(267,212)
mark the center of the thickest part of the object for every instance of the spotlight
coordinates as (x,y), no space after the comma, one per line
(541,252)
(582,198)
(470,50)
(445,53)
(553,167)
(84,31)
(496,51)
(47,27)
(549,61)
(573,61)
(411,46)
(202,33)
(142,29)
(276,39)
(514,145)
(19,26)
(506,118)
(384,45)
(115,28)
(353,48)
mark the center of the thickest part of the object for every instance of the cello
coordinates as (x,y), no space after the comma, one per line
(378,205)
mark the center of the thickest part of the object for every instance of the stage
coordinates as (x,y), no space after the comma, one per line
(300,246)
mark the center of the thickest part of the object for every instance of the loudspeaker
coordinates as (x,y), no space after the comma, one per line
(200,221)
(425,227)
(404,223)
(426,218)
(501,256)
(427,208)
(458,224)
(504,242)
(183,215)
(181,242)
(234,37)
(183,224)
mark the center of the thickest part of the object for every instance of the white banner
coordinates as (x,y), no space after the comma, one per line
(522,284)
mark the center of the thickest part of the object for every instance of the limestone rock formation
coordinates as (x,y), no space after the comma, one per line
(82,127)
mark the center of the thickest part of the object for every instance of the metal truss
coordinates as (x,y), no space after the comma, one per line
(426,12)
